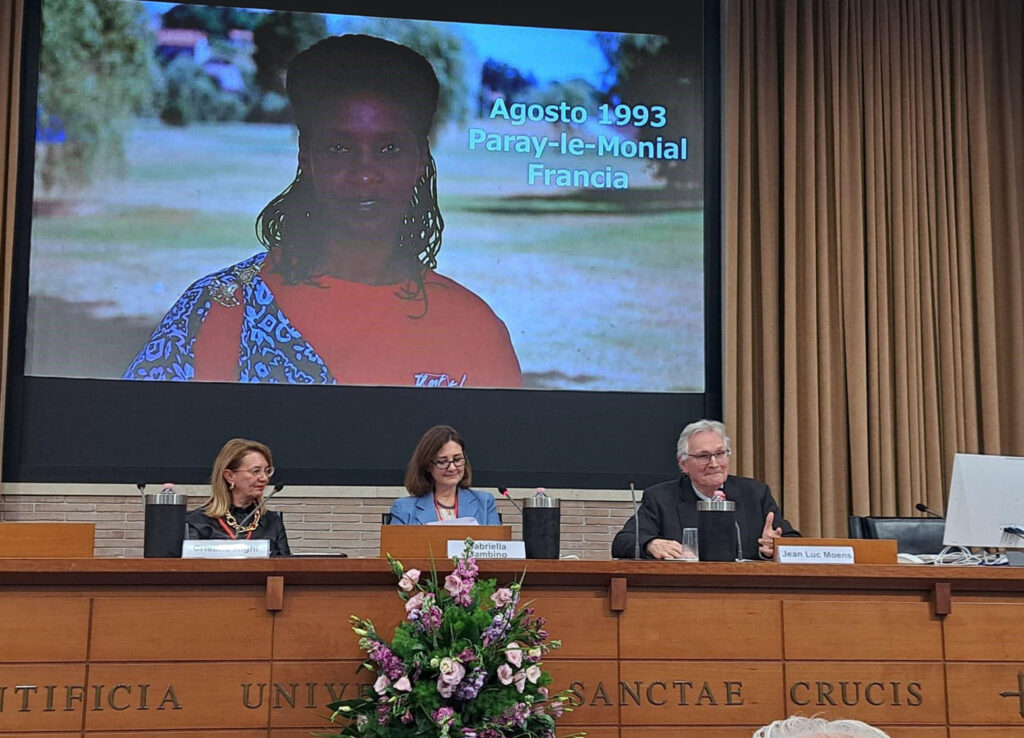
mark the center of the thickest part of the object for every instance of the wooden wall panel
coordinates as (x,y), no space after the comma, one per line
(875,692)
(316,626)
(985,694)
(596,686)
(42,697)
(985,631)
(189,628)
(43,629)
(708,732)
(739,731)
(261,733)
(209,696)
(700,692)
(585,625)
(1004,732)
(745,628)
(302,690)
(46,540)
(861,630)
(592,731)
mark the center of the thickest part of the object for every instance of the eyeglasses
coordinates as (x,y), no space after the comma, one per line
(259,471)
(457,461)
(705,459)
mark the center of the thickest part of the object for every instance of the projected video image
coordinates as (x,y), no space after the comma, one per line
(242,195)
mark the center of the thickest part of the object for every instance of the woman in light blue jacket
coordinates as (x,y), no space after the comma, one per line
(437,479)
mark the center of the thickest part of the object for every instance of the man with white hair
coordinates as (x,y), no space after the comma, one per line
(703,454)
(802,727)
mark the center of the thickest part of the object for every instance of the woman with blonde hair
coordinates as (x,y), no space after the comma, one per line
(241,472)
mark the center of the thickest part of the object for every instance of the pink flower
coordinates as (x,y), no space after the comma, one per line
(444,715)
(451,673)
(451,670)
(453,583)
(409,580)
(403,684)
(520,680)
(514,654)
(532,673)
(414,603)
(505,674)
(502,597)
(380,686)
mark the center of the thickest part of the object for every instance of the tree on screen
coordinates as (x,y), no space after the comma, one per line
(663,70)
(214,21)
(279,37)
(444,50)
(94,76)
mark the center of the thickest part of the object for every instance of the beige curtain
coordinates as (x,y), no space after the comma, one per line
(10,69)
(874,230)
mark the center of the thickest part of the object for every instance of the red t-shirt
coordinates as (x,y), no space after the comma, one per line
(365,335)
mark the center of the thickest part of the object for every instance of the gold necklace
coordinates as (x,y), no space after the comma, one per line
(230,519)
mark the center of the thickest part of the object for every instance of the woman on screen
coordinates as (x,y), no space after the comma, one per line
(346,291)
(437,479)
(240,476)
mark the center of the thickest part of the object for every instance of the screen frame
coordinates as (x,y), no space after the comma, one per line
(110,431)
(984,497)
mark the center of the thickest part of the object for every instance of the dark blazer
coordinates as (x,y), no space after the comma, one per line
(421,510)
(668,507)
(202,527)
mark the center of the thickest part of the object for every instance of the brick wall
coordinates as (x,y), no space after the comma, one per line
(315,524)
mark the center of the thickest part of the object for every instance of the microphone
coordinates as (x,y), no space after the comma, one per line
(141,486)
(924,508)
(505,494)
(636,521)
(264,501)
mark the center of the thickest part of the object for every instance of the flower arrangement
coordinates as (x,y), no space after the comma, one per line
(463,664)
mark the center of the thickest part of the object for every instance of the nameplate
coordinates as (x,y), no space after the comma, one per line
(489,549)
(212,549)
(797,554)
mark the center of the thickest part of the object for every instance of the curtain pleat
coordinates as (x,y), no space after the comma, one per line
(874,309)
(10,70)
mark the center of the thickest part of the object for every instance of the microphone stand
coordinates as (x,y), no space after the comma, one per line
(505,494)
(636,521)
(264,501)
(921,507)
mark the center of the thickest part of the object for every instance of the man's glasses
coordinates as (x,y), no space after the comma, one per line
(705,459)
(457,461)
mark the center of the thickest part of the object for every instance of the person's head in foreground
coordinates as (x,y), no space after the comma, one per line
(804,727)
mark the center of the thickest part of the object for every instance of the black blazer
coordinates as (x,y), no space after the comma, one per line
(203,527)
(668,507)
